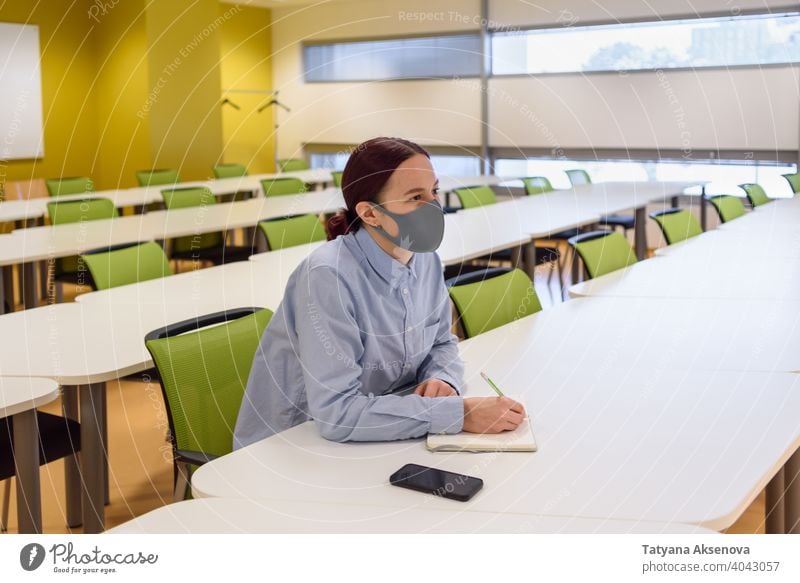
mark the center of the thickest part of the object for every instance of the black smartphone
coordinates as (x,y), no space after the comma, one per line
(437,482)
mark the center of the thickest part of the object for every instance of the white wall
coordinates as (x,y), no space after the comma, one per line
(430,112)
(574,12)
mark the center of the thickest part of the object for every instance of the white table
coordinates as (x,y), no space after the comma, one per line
(678,446)
(654,334)
(679,276)
(33,245)
(19,398)
(232,516)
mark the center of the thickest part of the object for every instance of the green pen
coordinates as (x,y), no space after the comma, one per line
(491,384)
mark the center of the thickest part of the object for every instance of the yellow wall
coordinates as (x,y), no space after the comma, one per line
(137,84)
(245,45)
(68,69)
(183,106)
(123,132)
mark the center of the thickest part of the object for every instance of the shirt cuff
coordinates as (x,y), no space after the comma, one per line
(444,377)
(447,415)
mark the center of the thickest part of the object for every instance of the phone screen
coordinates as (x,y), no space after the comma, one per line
(437,482)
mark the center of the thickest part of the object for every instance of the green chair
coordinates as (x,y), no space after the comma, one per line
(337,178)
(207,246)
(157,177)
(492,297)
(126,264)
(74,185)
(794,181)
(292,165)
(755,194)
(229,171)
(292,231)
(603,252)
(283,186)
(203,364)
(537,185)
(578,177)
(73,269)
(475,196)
(677,225)
(728,207)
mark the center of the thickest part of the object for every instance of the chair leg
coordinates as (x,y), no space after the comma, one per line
(6,502)
(59,293)
(181,481)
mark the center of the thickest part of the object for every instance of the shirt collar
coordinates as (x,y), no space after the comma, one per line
(387,267)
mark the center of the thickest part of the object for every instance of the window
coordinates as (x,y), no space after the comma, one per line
(724,176)
(443,165)
(409,58)
(702,42)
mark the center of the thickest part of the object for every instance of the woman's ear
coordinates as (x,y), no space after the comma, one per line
(366,212)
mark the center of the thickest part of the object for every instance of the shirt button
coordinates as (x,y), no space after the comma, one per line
(409,329)
(405,290)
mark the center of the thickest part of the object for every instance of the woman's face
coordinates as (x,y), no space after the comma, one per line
(410,186)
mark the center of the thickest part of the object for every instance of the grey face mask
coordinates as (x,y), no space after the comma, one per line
(420,231)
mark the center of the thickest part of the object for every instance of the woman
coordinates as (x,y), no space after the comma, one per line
(366,318)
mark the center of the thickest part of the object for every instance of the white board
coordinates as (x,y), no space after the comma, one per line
(21,133)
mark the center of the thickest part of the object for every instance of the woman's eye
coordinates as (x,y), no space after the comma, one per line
(435,191)
(417,197)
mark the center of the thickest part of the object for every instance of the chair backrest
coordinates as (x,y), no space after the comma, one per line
(537,185)
(73,185)
(728,207)
(74,211)
(229,171)
(475,196)
(196,196)
(337,178)
(292,165)
(282,186)
(204,364)
(603,251)
(578,177)
(125,264)
(677,224)
(292,231)
(157,177)
(755,194)
(492,297)
(794,181)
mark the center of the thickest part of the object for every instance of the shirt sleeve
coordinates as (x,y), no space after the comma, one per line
(330,350)
(443,361)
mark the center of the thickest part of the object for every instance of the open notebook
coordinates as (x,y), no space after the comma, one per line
(521,439)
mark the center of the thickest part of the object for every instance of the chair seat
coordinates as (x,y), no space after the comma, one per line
(217,255)
(59,437)
(624,221)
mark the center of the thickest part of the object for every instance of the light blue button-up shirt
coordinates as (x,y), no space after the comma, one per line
(354,325)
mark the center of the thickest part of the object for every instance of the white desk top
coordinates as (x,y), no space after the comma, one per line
(231,516)
(22,210)
(22,394)
(691,447)
(42,243)
(653,334)
(682,276)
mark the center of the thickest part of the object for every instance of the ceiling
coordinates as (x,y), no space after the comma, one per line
(278,3)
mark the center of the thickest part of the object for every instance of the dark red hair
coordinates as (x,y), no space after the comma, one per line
(368,169)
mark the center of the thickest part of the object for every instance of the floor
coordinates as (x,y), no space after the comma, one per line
(141,457)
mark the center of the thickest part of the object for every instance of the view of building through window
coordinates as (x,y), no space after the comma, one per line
(704,42)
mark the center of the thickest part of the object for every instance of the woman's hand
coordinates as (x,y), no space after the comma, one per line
(492,414)
(435,388)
